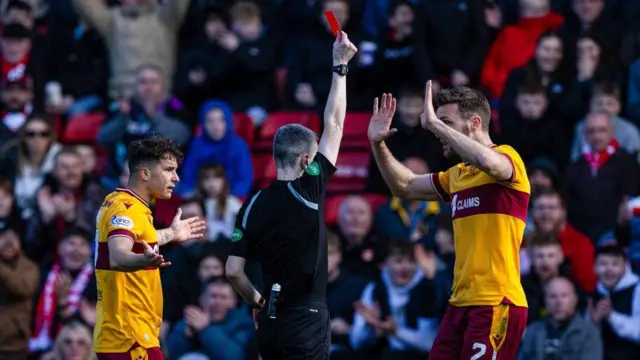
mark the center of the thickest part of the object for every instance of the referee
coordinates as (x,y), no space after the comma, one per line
(283,228)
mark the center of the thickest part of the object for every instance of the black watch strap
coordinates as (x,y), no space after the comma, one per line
(341,70)
(260,304)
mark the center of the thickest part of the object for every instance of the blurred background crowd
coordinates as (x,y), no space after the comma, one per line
(83,78)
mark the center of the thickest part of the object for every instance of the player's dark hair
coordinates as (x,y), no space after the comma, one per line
(152,149)
(612,250)
(541,239)
(606,88)
(548,192)
(470,102)
(401,247)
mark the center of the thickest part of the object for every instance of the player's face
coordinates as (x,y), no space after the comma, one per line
(74,252)
(560,300)
(548,213)
(163,178)
(210,267)
(220,298)
(9,245)
(450,116)
(75,346)
(609,269)
(547,260)
(402,269)
(6,203)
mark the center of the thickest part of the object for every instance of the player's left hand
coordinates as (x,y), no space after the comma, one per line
(196,318)
(428,116)
(187,229)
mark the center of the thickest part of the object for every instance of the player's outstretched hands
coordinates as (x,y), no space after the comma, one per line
(152,258)
(343,49)
(187,229)
(380,124)
(428,116)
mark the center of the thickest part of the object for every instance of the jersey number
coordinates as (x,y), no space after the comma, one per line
(482,349)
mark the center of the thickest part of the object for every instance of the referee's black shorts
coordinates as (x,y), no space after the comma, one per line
(300,332)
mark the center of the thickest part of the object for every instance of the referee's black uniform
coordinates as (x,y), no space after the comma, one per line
(282,227)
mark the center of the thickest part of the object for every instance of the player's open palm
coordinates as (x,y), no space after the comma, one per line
(187,229)
(152,258)
(380,124)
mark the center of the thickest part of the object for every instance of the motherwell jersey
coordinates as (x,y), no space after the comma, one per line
(488,223)
(129,307)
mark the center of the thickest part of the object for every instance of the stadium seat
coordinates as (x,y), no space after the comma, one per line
(332,205)
(276,120)
(351,174)
(264,170)
(355,131)
(83,128)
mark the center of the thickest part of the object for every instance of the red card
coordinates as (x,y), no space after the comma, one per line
(333,22)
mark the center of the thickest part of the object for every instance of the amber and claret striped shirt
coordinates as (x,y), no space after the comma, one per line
(489,218)
(129,308)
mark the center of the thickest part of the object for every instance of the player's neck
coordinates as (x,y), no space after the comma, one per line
(140,191)
(483,138)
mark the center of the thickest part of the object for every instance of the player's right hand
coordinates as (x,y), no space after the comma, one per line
(152,258)
(380,124)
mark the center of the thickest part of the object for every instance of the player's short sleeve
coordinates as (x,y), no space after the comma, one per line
(123,222)
(440,183)
(519,179)
(313,182)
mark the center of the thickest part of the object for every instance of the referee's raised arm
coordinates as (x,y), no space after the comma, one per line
(336,108)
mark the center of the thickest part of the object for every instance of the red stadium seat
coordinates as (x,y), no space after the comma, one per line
(264,170)
(332,205)
(351,174)
(278,119)
(83,128)
(355,131)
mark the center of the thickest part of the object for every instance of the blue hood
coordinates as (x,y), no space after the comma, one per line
(226,111)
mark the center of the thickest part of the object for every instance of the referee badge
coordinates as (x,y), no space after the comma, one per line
(313,169)
(237,235)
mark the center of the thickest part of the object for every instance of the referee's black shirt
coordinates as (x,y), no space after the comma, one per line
(283,228)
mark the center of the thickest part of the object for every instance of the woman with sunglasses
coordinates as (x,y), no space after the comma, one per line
(28,158)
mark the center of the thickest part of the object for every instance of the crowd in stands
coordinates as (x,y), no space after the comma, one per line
(83,78)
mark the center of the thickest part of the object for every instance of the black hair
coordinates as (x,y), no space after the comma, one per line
(78,231)
(152,149)
(612,250)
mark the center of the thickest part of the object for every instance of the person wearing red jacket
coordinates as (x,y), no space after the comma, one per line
(550,215)
(516,43)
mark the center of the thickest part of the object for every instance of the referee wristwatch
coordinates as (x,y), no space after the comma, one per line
(341,70)
(260,304)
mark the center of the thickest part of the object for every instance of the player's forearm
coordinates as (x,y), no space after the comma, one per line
(126,261)
(471,151)
(336,108)
(165,236)
(245,288)
(396,175)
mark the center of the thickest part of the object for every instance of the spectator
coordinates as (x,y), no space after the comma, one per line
(18,12)
(66,199)
(343,290)
(615,306)
(550,216)
(375,18)
(450,54)
(17,103)
(362,248)
(147,26)
(633,93)
(150,111)
(548,68)
(597,182)
(411,140)
(28,159)
(606,98)
(393,309)
(564,334)
(516,44)
(408,219)
(216,328)
(75,342)
(548,262)
(217,144)
(18,283)
(596,62)
(89,159)
(8,211)
(536,129)
(63,288)
(543,174)
(23,60)
(220,207)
